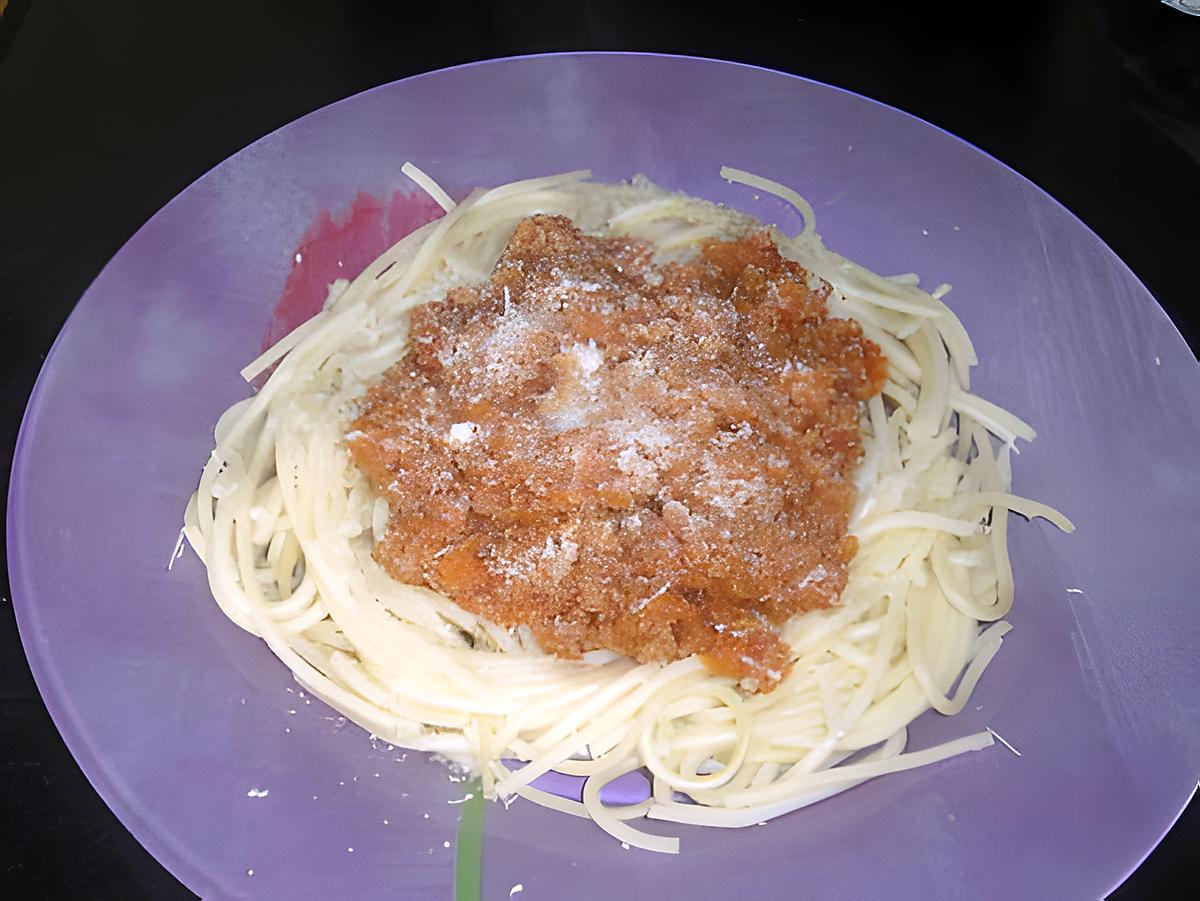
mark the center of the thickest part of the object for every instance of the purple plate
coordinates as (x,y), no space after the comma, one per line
(177,716)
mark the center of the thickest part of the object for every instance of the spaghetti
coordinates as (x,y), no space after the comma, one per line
(286,524)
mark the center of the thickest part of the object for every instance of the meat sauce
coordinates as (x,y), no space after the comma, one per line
(653,459)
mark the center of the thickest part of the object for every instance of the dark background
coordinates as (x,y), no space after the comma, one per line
(109,109)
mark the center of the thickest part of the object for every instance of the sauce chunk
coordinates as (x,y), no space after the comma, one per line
(653,459)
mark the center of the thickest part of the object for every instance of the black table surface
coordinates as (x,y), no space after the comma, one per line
(109,108)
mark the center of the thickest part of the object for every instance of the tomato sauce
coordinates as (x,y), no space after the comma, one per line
(651,458)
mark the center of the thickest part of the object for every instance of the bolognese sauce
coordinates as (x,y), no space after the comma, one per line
(652,458)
